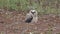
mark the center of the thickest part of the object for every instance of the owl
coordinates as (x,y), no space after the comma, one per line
(32,16)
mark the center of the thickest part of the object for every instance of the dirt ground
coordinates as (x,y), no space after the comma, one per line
(12,22)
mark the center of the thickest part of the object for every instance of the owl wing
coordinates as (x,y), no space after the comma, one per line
(28,18)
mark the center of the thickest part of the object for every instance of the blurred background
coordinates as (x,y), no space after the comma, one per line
(13,12)
(42,6)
